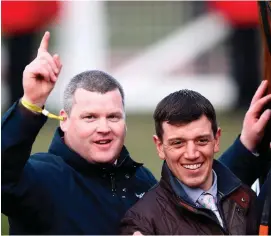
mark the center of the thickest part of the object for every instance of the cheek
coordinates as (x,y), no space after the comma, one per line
(119,129)
(84,130)
(173,156)
(209,156)
(208,151)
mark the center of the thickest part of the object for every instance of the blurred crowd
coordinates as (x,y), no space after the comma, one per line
(23,21)
(245,46)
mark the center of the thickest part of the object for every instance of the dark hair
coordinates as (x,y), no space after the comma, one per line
(183,106)
(93,81)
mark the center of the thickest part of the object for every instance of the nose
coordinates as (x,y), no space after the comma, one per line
(102,126)
(191,151)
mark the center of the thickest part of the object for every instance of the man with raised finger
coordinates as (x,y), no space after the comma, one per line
(87,179)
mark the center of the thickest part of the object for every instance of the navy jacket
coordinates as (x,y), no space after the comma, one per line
(248,169)
(59,192)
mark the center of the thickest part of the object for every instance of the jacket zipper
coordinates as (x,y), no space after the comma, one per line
(113,182)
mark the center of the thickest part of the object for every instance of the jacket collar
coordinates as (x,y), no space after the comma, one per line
(227,182)
(194,193)
(59,148)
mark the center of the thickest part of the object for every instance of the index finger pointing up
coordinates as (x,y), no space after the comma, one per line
(44,44)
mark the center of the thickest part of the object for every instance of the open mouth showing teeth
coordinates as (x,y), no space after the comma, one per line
(101,142)
(192,167)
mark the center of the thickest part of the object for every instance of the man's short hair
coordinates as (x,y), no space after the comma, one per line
(93,81)
(182,107)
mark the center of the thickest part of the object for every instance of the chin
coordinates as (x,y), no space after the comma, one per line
(103,159)
(194,184)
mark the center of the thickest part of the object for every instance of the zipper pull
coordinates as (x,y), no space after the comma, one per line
(113,182)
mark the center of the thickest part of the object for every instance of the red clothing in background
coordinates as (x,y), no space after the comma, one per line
(19,17)
(238,13)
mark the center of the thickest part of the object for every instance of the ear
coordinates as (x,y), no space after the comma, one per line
(217,140)
(159,147)
(125,132)
(64,124)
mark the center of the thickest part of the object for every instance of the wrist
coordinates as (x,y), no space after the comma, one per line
(250,147)
(39,110)
(25,108)
(33,102)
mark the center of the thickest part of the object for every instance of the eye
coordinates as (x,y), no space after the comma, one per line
(114,118)
(177,143)
(89,118)
(202,141)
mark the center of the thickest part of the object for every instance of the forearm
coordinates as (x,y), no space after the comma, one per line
(19,130)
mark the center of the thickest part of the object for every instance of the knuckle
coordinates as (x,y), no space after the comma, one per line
(248,115)
(43,63)
(257,130)
(40,52)
(45,56)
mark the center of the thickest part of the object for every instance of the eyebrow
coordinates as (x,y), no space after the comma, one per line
(88,113)
(200,136)
(118,113)
(204,136)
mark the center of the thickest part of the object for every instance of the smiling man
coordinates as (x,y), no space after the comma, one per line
(196,194)
(87,180)
(96,134)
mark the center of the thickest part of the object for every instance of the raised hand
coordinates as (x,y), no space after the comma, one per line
(255,121)
(40,76)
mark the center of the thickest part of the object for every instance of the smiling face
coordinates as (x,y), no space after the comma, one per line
(189,151)
(95,128)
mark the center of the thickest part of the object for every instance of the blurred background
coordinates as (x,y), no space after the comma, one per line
(152,48)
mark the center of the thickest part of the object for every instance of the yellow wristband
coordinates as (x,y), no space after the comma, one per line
(37,109)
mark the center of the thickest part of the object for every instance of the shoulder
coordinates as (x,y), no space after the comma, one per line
(247,190)
(244,196)
(145,175)
(45,158)
(45,163)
